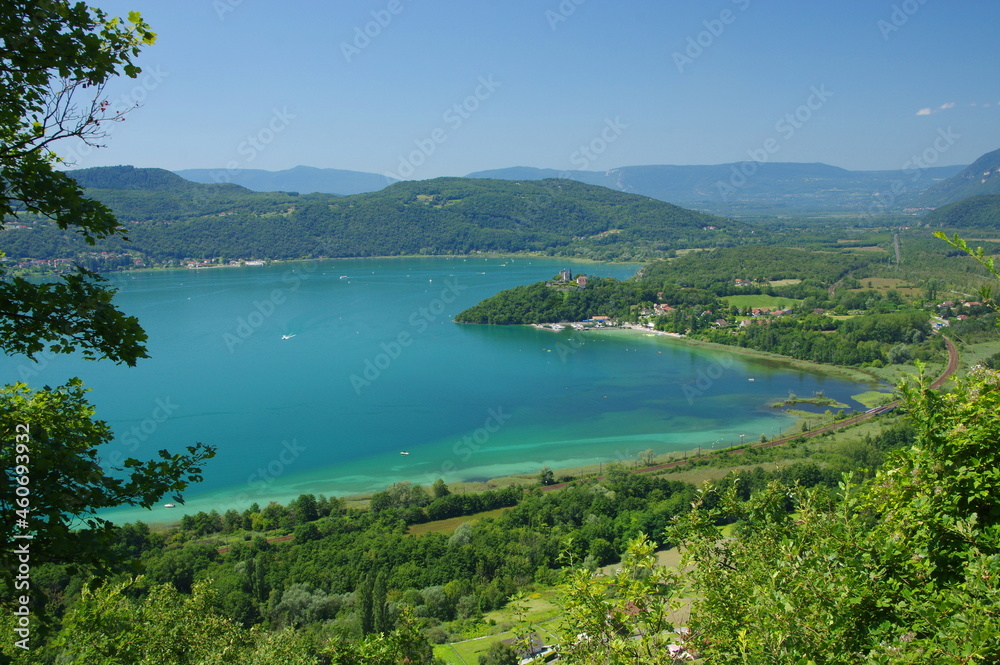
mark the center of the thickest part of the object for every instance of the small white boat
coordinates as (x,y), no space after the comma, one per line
(749,379)
(288,336)
(404,452)
(168,505)
(343,276)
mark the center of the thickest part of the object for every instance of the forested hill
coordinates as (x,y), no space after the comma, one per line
(696,281)
(169,218)
(977,212)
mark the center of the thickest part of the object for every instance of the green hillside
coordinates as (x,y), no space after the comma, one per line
(977,212)
(169,218)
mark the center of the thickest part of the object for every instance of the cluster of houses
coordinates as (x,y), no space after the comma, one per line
(754,314)
(194,265)
(55,264)
(64,265)
(954,307)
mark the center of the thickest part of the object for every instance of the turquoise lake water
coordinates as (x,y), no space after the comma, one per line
(374,366)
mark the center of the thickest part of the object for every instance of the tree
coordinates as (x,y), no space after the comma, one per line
(902,569)
(56,58)
(626,618)
(546,477)
(305,508)
(112,626)
(58,479)
(439,489)
(53,54)
(499,654)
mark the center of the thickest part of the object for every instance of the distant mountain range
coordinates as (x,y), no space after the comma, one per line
(752,188)
(301,179)
(737,189)
(982,177)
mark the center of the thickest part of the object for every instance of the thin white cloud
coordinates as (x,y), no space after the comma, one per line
(930,111)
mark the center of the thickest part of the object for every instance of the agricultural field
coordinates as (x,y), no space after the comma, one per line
(449,525)
(538,608)
(771,302)
(889,283)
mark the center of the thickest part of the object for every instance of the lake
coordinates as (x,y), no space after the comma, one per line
(316,376)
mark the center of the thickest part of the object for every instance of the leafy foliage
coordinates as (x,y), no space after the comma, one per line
(625,618)
(57,57)
(902,569)
(58,451)
(53,54)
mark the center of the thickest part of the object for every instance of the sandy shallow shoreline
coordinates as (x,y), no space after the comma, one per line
(849,373)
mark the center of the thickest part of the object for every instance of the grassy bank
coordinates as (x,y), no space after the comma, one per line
(849,373)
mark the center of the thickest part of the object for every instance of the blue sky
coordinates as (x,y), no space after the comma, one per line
(425,88)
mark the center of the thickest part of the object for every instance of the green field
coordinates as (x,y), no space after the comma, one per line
(772,302)
(449,525)
(873,398)
(540,611)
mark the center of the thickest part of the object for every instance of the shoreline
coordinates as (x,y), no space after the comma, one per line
(270,262)
(488,482)
(850,373)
